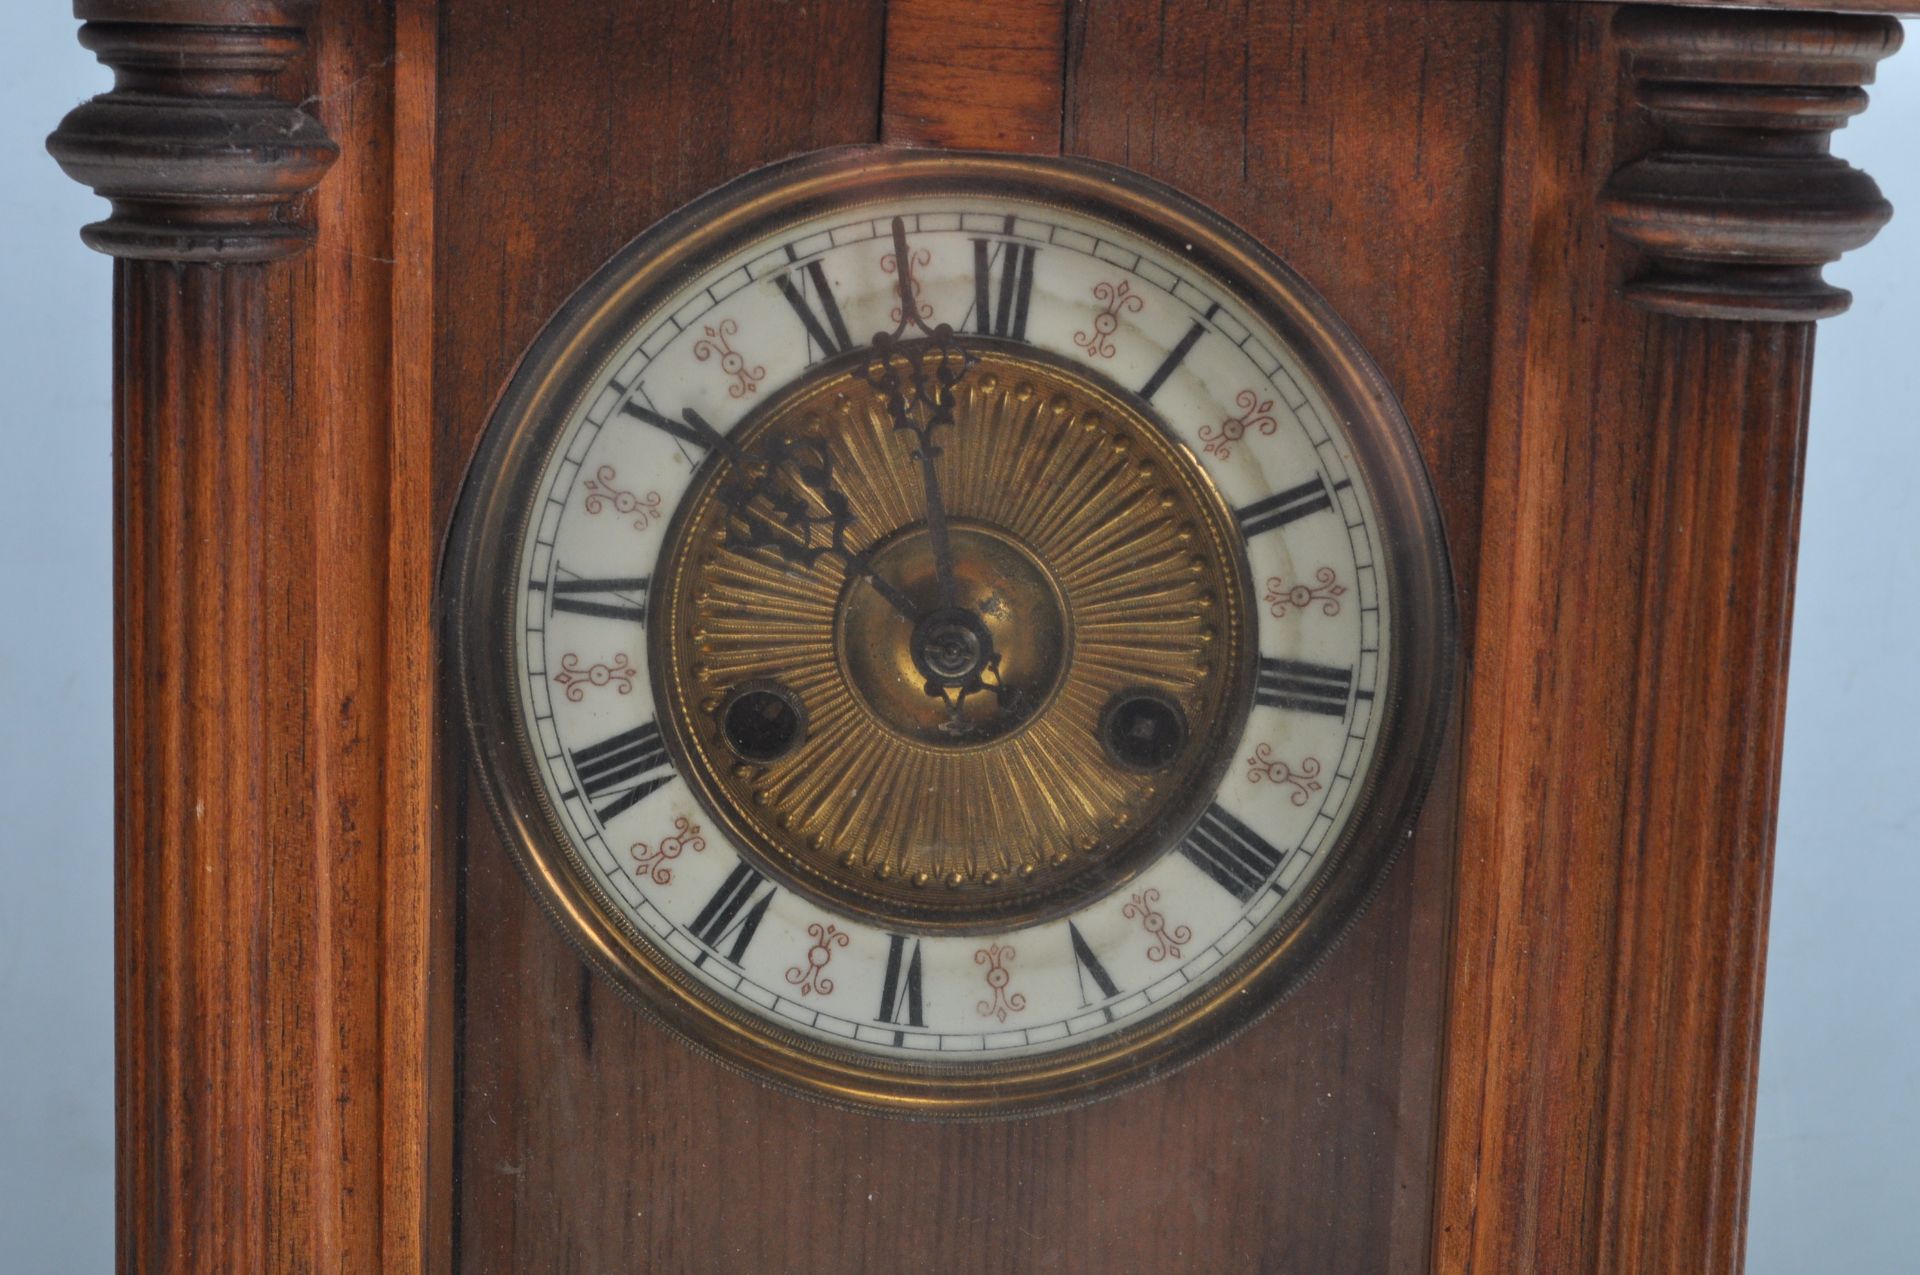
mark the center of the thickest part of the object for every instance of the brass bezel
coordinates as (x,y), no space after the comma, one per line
(477,609)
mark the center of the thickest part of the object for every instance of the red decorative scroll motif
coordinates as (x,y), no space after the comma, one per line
(890,264)
(686,838)
(1326,589)
(716,341)
(1254,415)
(602,494)
(1166,940)
(1117,298)
(1264,765)
(996,957)
(575,678)
(811,977)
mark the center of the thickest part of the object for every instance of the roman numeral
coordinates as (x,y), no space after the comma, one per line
(1237,858)
(1175,357)
(614,598)
(900,991)
(1303,687)
(692,428)
(1283,507)
(734,913)
(1088,966)
(830,335)
(1016,290)
(625,768)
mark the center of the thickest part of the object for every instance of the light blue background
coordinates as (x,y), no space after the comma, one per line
(1836,1177)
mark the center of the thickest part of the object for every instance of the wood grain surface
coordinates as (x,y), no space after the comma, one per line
(587,1138)
(274,556)
(1642,488)
(974,74)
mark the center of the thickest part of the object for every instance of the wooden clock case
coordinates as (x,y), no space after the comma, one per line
(1584,243)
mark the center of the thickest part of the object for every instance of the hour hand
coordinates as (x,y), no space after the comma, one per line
(783,499)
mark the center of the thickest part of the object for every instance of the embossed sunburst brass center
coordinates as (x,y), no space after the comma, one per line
(952,772)
(1010,595)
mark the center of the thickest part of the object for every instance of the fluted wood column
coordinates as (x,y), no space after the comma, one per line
(273,568)
(1662,236)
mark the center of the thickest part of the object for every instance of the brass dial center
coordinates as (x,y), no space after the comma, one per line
(1008,628)
(953,772)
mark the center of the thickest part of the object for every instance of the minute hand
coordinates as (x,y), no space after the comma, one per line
(937,523)
(918,379)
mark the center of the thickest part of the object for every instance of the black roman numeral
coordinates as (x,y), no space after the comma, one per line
(1016,289)
(615,598)
(1237,858)
(1304,687)
(625,768)
(734,913)
(1283,507)
(1088,966)
(900,991)
(691,428)
(1175,357)
(831,335)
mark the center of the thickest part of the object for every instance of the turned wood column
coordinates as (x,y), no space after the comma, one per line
(207,168)
(272,645)
(1662,237)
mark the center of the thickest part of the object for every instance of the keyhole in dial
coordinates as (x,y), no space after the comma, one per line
(763,722)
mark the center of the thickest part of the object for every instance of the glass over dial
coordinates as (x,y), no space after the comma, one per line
(950,633)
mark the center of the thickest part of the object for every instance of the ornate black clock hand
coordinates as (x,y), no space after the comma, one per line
(783,498)
(906,287)
(919,384)
(952,646)
(926,451)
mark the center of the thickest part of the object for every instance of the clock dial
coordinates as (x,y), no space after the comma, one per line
(949,633)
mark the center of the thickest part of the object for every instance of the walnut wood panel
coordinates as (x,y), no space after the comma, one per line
(566,129)
(417,1090)
(382,1159)
(589,1140)
(1637,548)
(974,74)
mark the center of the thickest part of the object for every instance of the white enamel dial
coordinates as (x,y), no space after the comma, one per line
(727,929)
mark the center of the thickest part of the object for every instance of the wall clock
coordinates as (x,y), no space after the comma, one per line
(950,633)
(953,634)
